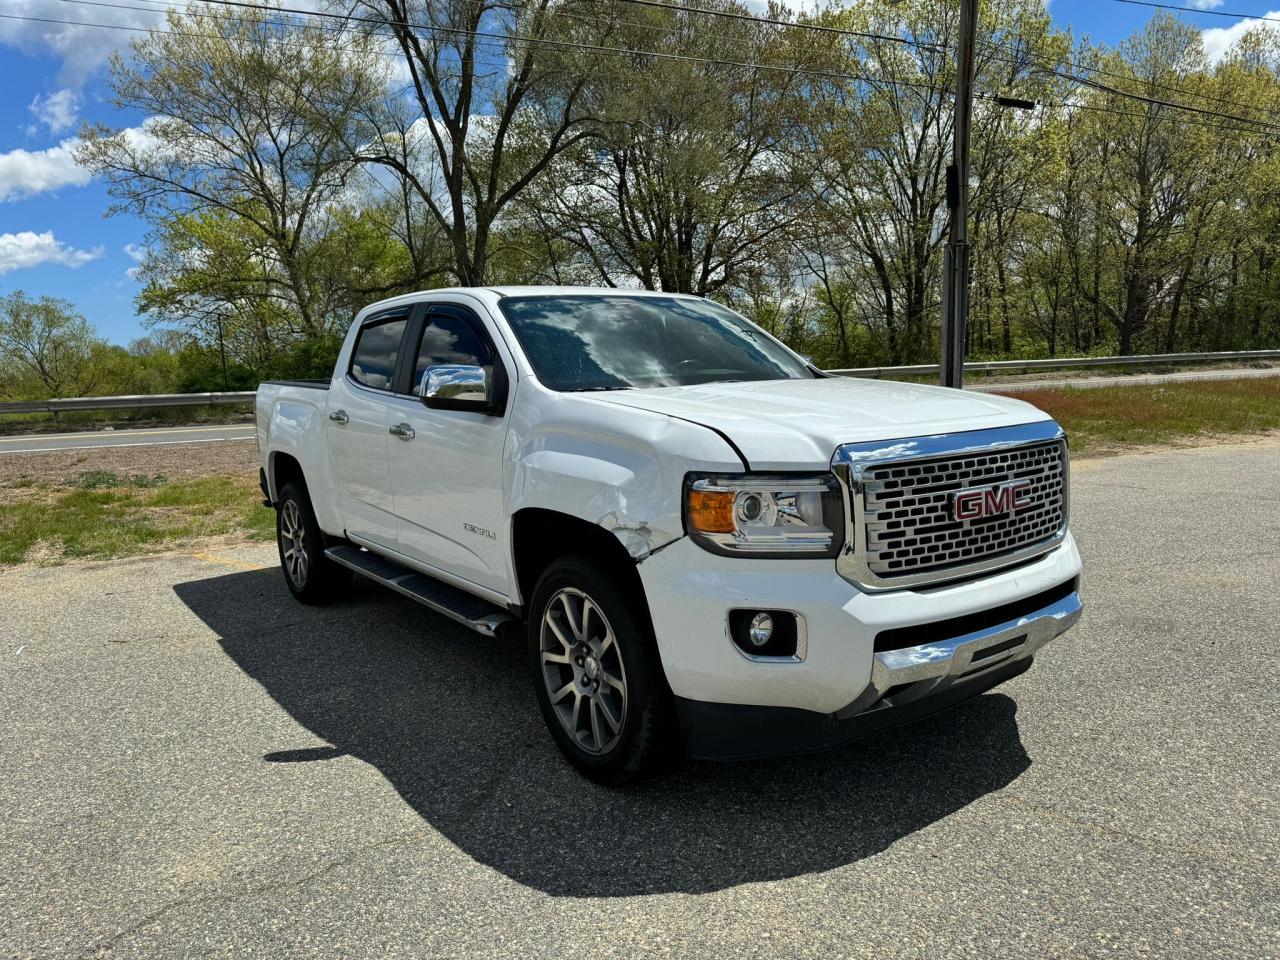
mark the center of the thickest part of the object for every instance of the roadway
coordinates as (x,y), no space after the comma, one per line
(106,439)
(194,765)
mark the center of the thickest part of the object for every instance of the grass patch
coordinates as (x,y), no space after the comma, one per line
(1110,419)
(98,515)
(100,479)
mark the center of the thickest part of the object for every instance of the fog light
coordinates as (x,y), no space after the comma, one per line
(767,634)
(761,629)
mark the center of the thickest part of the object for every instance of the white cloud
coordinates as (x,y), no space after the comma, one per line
(28,249)
(27,172)
(1207,4)
(82,49)
(1219,40)
(58,110)
(137,253)
(24,173)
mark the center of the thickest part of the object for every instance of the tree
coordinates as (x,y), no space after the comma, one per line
(686,185)
(249,121)
(47,348)
(498,89)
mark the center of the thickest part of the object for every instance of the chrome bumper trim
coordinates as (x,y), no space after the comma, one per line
(931,668)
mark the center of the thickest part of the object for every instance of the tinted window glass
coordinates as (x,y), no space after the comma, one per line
(373,362)
(449,338)
(613,342)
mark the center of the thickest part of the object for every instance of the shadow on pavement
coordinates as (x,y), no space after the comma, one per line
(449,719)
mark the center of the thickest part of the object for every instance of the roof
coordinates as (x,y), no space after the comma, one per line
(490,294)
(566,291)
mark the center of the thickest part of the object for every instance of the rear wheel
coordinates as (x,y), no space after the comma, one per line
(309,574)
(597,675)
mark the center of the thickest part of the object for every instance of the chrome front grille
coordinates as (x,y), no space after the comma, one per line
(908,517)
(903,531)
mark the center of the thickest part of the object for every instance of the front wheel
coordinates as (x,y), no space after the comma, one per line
(310,575)
(597,675)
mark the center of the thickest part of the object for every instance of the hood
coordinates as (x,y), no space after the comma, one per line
(797,424)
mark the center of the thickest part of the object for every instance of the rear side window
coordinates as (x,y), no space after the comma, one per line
(449,338)
(373,362)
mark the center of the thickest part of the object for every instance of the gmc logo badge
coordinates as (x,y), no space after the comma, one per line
(979,502)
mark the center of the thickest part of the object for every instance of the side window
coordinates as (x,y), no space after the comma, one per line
(450,338)
(373,361)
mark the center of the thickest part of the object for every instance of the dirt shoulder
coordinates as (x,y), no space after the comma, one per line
(233,458)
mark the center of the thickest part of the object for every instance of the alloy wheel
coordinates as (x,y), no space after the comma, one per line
(293,543)
(582,668)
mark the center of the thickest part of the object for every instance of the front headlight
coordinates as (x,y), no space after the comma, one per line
(765,515)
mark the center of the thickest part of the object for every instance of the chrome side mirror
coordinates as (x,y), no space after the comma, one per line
(457,386)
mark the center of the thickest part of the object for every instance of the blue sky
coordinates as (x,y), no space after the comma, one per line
(54,236)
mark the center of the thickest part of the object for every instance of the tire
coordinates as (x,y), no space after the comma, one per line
(597,675)
(311,576)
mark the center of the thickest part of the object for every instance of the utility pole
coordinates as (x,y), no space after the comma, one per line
(955,258)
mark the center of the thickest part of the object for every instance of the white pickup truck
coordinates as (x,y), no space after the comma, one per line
(708,542)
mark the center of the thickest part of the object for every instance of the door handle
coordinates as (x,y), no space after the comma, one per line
(402,430)
(339,416)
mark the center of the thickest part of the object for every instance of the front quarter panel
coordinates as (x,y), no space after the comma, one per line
(620,468)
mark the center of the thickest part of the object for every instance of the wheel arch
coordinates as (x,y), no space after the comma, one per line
(282,469)
(540,536)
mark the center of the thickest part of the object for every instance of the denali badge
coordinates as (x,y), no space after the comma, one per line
(979,502)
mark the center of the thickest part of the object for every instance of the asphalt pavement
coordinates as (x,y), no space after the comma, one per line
(144,436)
(194,765)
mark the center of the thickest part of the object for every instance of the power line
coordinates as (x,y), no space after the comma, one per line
(1207,13)
(482,37)
(922,45)
(1220,127)
(1130,78)
(816,27)
(1085,81)
(502,39)
(131,28)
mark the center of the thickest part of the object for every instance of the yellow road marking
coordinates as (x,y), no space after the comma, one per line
(226,561)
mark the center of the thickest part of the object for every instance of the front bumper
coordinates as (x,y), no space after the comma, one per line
(945,646)
(906,684)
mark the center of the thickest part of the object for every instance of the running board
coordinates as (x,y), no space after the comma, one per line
(480,615)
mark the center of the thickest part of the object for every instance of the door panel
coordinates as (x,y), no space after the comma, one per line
(357,431)
(448,478)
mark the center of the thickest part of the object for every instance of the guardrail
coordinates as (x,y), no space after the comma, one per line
(229,398)
(130,402)
(1061,363)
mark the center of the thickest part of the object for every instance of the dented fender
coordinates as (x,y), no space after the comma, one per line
(621,469)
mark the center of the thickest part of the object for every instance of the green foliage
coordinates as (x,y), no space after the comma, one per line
(1107,419)
(109,516)
(47,349)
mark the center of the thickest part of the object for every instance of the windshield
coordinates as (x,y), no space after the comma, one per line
(604,342)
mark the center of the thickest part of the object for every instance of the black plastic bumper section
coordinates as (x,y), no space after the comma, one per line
(730,731)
